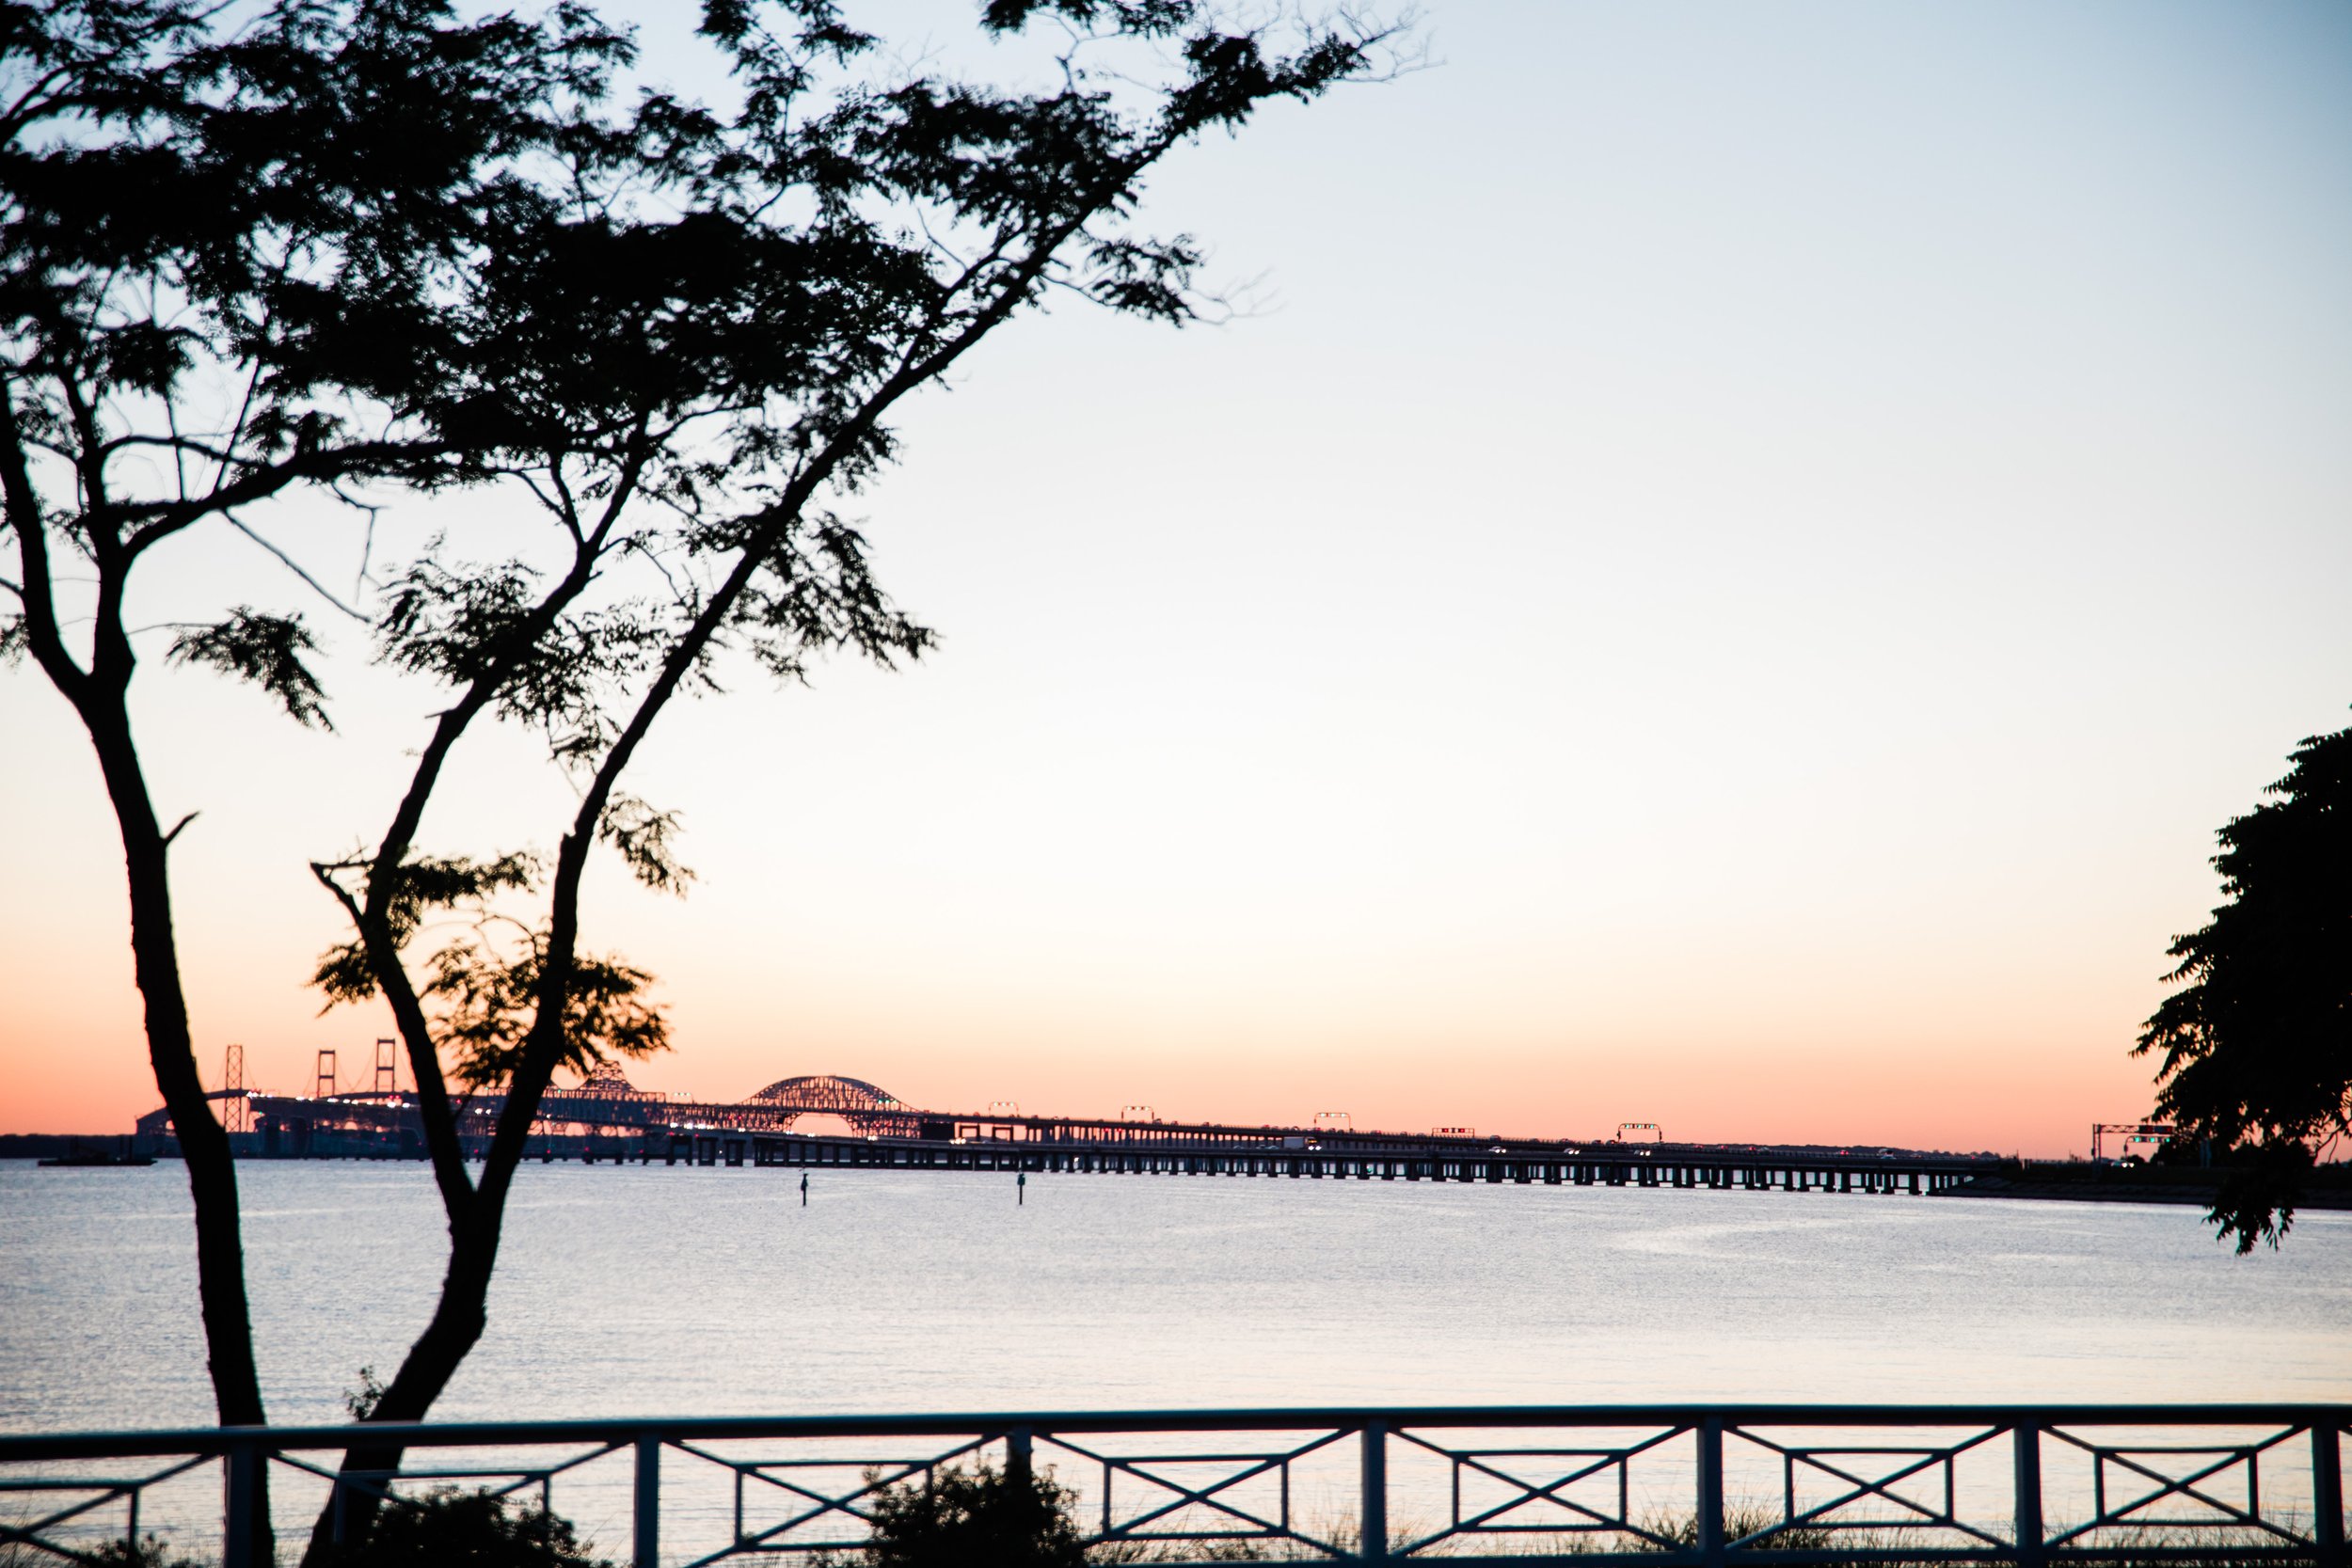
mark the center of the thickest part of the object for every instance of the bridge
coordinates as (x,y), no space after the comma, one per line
(1209,1150)
(885,1132)
(608,1118)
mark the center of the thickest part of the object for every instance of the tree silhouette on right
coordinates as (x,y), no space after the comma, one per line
(2258,1044)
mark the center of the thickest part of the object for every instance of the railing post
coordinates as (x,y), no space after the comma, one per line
(2328,1493)
(1372,1536)
(2030,1535)
(1020,1450)
(241,1490)
(1711,1437)
(648,1500)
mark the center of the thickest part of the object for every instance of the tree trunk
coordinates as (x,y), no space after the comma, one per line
(463,1311)
(204,1146)
(458,1320)
(100,699)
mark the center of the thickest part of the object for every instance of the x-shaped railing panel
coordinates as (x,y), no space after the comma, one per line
(379,1485)
(1214,1495)
(103,1490)
(2214,1460)
(1577,1464)
(1800,1461)
(875,1477)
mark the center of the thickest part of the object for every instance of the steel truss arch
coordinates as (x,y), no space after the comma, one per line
(864,1106)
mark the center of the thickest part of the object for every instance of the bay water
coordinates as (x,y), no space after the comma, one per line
(654,1290)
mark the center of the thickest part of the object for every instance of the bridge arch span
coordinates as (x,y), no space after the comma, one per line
(864,1106)
(825,1091)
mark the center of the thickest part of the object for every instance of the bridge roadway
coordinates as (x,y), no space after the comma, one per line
(607,1118)
(1286,1153)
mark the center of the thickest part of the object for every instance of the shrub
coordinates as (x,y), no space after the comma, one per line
(122,1552)
(148,1553)
(451,1528)
(977,1518)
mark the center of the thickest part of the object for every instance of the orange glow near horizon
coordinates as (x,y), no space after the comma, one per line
(73,1058)
(97,1085)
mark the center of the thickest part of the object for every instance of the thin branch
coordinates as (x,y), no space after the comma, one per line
(35,101)
(294,566)
(367,553)
(177,443)
(252,391)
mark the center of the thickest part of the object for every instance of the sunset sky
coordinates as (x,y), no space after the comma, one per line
(1730,583)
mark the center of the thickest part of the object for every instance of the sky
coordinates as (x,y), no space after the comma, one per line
(1729,581)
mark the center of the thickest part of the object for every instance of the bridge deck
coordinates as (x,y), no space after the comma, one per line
(1356,1159)
(606,1119)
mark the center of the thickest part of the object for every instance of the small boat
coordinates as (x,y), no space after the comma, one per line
(88,1157)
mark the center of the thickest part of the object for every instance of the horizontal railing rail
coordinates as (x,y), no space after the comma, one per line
(1661,1485)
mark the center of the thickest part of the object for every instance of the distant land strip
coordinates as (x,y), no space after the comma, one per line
(2080,1181)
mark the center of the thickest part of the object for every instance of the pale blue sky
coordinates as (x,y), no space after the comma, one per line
(1732,585)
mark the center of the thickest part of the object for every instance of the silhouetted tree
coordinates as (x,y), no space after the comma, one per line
(717,316)
(223,263)
(2258,1045)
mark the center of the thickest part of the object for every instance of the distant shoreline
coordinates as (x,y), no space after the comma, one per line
(43,1146)
(2155,1185)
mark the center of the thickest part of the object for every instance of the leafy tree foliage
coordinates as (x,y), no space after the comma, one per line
(268,650)
(2257,1047)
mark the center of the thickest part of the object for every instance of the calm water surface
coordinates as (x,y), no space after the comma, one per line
(712,1291)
